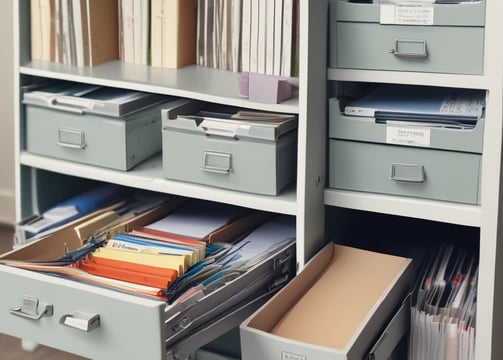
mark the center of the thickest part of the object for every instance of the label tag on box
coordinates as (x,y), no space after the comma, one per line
(406,15)
(408,136)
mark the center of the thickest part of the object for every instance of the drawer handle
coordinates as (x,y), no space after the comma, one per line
(71,138)
(216,162)
(413,173)
(81,321)
(29,309)
(422,51)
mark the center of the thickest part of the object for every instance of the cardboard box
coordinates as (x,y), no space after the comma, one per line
(334,309)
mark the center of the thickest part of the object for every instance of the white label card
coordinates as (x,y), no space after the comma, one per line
(406,15)
(408,136)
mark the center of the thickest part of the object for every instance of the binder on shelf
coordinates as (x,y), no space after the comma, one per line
(173,33)
(102,31)
(42,30)
(134,31)
(78,33)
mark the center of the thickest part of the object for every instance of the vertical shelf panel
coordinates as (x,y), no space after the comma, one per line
(312,124)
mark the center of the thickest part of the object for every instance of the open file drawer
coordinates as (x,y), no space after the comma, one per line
(100,323)
(334,309)
(447,38)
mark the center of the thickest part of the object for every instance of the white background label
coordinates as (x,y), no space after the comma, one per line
(410,136)
(289,356)
(406,15)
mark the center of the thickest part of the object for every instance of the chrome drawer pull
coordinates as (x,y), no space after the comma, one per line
(217,162)
(29,309)
(81,321)
(413,173)
(71,138)
(422,51)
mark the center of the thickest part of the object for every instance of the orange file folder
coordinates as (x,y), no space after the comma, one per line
(126,271)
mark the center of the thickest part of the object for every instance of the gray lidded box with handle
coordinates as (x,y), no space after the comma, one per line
(107,127)
(446,38)
(250,157)
(439,163)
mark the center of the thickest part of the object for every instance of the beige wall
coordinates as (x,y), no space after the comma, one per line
(7,210)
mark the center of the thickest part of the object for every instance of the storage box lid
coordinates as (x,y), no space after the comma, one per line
(463,13)
(242,125)
(88,98)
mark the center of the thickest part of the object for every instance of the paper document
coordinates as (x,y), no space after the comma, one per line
(414,103)
(197,219)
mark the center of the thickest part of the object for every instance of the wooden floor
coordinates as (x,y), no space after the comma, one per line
(10,348)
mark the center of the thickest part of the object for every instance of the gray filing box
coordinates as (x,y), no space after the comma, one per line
(433,163)
(94,125)
(251,157)
(447,38)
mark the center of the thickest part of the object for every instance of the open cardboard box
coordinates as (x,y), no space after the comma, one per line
(336,307)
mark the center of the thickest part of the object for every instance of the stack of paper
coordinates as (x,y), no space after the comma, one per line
(435,106)
(443,312)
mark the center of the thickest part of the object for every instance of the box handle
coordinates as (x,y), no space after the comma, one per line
(217,162)
(75,105)
(71,138)
(413,173)
(420,45)
(29,309)
(81,321)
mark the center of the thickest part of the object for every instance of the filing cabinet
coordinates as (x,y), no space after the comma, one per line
(436,162)
(438,38)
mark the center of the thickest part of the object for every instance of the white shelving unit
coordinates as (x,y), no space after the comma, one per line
(38,178)
(211,85)
(486,216)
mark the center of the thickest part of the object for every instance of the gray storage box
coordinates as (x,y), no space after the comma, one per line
(89,124)
(334,309)
(392,37)
(366,129)
(399,170)
(246,156)
(438,163)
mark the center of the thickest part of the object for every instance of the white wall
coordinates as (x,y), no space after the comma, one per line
(7,207)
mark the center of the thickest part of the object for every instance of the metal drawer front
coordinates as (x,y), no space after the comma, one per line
(416,172)
(93,139)
(447,49)
(128,327)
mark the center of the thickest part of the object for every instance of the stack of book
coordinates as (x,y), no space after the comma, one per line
(78,33)
(248,35)
(259,36)
(157,32)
